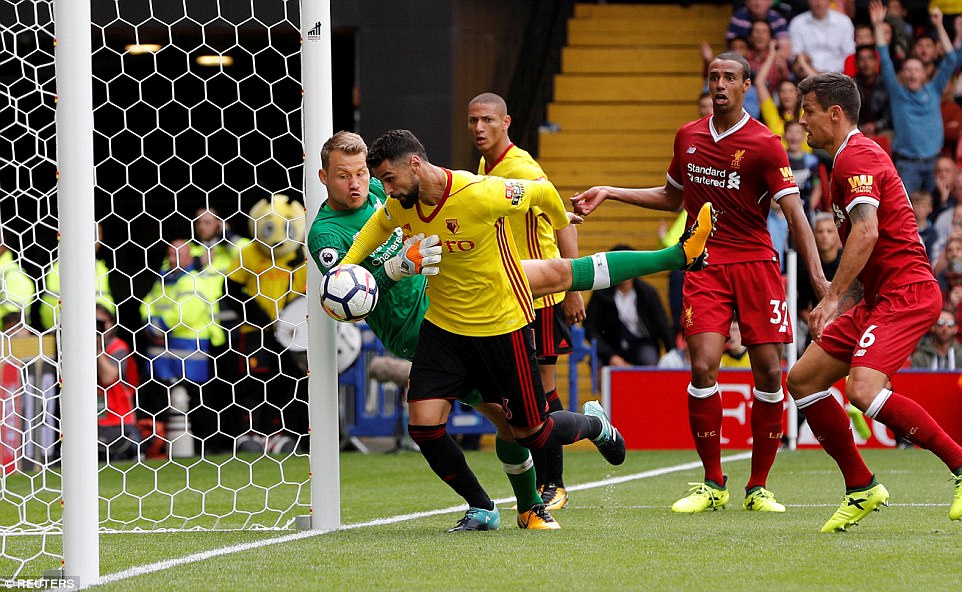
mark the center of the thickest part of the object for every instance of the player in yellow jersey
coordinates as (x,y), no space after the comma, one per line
(353,197)
(488,122)
(474,333)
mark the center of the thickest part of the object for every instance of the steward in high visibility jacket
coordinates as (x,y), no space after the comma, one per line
(181,313)
(50,298)
(17,290)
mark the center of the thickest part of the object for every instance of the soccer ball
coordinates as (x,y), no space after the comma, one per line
(348,293)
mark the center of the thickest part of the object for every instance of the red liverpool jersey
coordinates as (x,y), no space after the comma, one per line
(864,174)
(740,171)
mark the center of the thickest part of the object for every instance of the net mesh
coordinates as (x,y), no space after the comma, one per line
(203,415)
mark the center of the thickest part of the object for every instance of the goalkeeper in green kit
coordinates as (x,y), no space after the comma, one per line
(401,269)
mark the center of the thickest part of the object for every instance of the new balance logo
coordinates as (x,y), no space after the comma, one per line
(691,150)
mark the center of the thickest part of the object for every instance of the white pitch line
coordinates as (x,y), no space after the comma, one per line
(205,555)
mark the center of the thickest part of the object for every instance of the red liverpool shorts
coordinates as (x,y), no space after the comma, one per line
(752,291)
(884,335)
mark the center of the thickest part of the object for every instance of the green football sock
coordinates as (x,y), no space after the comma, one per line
(520,470)
(603,270)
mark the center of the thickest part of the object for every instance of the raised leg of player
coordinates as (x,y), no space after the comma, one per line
(567,427)
(603,270)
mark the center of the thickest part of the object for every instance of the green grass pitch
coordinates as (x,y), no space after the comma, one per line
(613,537)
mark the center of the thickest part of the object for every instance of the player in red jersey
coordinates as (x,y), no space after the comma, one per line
(735,162)
(884,263)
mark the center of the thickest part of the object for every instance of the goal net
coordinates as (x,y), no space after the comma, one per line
(201,272)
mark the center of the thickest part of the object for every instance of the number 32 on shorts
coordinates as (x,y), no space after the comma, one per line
(779,315)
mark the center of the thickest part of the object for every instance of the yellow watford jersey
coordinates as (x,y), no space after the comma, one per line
(481,289)
(532,232)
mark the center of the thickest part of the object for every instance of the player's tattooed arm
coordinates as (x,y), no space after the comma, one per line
(851,297)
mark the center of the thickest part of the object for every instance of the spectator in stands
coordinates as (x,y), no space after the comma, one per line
(50,297)
(740,24)
(946,179)
(678,357)
(898,19)
(704,103)
(17,290)
(939,349)
(948,225)
(180,313)
(804,167)
(915,113)
(214,240)
(764,49)
(875,115)
(629,322)
(951,275)
(778,229)
(788,107)
(922,207)
(735,354)
(926,50)
(821,39)
(951,119)
(117,382)
(829,247)
(864,36)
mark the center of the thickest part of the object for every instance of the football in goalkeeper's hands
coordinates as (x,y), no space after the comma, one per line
(348,293)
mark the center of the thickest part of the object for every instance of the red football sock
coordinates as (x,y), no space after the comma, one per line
(832,427)
(909,420)
(766,440)
(705,419)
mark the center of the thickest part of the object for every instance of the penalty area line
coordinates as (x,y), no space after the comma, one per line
(238,548)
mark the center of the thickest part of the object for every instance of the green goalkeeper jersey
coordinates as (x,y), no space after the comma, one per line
(396,319)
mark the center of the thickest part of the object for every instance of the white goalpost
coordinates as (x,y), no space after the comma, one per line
(152,122)
(78,364)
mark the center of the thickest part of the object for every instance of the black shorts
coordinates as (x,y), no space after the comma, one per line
(552,335)
(502,367)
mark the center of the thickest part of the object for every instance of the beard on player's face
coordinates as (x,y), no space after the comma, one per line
(410,197)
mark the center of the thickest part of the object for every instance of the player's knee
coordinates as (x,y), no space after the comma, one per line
(795,382)
(861,393)
(527,436)
(768,379)
(703,374)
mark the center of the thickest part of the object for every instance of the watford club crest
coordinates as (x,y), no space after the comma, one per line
(452,224)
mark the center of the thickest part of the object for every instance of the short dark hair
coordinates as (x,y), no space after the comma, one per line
(834,88)
(860,48)
(392,146)
(734,56)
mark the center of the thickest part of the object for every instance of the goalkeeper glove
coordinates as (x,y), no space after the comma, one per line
(418,256)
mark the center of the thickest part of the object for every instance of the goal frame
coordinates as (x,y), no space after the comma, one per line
(75,195)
